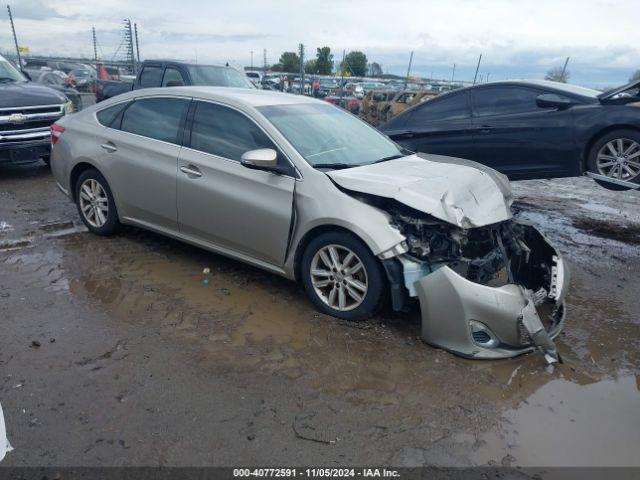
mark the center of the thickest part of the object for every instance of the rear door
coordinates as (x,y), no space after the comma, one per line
(518,138)
(441,126)
(225,204)
(139,153)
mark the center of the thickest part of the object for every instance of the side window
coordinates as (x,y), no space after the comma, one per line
(504,100)
(172,78)
(451,107)
(151,76)
(108,116)
(158,118)
(225,132)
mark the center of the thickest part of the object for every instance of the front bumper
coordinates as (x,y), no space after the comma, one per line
(479,321)
(30,150)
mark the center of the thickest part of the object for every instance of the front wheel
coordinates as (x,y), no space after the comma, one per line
(342,277)
(95,203)
(616,155)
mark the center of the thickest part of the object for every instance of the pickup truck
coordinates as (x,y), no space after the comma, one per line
(27,111)
(167,73)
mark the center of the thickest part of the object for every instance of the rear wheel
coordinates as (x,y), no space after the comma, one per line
(342,277)
(616,155)
(95,203)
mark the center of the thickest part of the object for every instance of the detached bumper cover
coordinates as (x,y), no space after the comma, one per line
(449,304)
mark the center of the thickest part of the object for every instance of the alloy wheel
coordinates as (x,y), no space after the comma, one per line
(620,159)
(94,203)
(339,277)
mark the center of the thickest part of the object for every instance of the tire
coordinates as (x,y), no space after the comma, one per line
(102,193)
(598,157)
(371,275)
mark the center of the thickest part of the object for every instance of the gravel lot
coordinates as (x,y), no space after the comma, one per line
(115,352)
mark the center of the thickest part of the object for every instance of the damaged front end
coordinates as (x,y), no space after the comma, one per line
(495,291)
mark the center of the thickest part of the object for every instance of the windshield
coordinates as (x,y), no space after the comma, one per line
(8,73)
(326,135)
(207,75)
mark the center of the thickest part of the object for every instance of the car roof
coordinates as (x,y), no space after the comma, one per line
(238,96)
(564,88)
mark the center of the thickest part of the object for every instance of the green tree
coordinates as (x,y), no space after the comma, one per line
(635,77)
(376,69)
(290,62)
(356,63)
(311,66)
(556,74)
(324,61)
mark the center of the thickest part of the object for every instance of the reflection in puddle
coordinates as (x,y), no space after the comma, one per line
(565,424)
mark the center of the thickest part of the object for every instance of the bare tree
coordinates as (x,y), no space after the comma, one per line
(557,74)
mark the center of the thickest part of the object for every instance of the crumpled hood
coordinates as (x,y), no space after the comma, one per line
(460,192)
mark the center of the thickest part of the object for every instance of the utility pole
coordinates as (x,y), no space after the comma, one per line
(406,80)
(342,65)
(477,68)
(487,79)
(453,74)
(135,32)
(15,38)
(564,69)
(251,59)
(128,40)
(264,61)
(301,47)
(95,44)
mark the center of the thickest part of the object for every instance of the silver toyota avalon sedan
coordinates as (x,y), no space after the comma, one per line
(304,189)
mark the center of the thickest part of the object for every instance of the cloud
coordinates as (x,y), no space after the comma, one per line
(514,36)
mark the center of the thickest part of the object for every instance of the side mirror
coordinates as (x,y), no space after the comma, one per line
(260,159)
(552,100)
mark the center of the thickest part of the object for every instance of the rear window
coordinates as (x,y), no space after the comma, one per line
(157,118)
(108,116)
(151,76)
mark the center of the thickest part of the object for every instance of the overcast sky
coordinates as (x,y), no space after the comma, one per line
(518,38)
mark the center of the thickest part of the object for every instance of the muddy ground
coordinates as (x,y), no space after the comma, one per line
(114,351)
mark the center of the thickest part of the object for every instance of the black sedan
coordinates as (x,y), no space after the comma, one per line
(531,129)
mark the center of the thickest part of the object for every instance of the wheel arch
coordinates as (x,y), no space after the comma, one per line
(601,133)
(75,173)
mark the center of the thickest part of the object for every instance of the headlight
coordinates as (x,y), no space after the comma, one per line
(68,107)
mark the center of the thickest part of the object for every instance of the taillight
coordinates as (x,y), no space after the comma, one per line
(56,133)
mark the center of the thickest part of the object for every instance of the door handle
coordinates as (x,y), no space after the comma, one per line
(191,170)
(109,147)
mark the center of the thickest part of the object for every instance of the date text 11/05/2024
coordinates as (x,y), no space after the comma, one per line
(316,472)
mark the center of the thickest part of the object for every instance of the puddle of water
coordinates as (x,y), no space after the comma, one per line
(567,424)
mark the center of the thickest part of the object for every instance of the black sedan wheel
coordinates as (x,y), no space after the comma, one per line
(617,156)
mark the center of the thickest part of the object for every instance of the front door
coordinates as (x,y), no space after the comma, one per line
(225,204)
